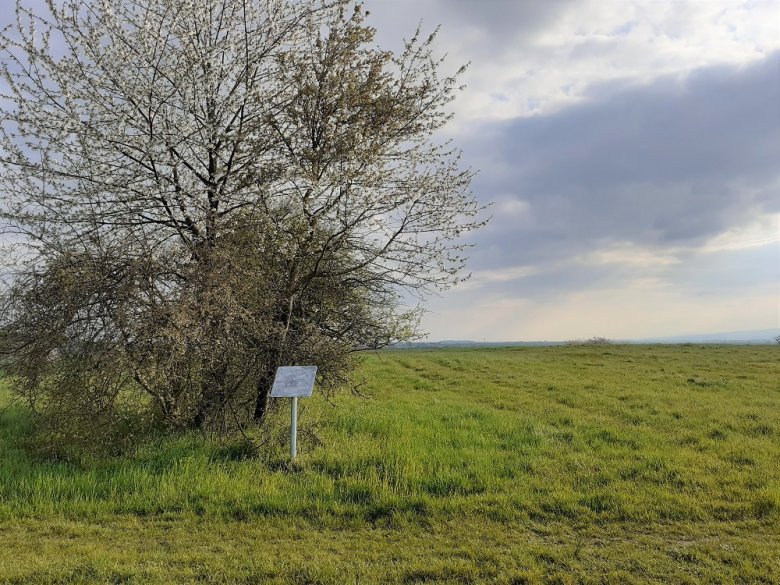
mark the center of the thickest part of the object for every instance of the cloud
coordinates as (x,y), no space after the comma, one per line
(482,25)
(673,163)
(703,292)
(536,57)
(631,151)
(645,209)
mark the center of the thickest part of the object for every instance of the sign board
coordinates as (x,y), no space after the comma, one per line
(293,381)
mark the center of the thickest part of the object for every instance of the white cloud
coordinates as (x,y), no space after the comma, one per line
(486,278)
(631,254)
(761,232)
(531,58)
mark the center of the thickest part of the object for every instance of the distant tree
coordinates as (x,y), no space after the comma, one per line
(210,189)
(598,341)
(777,338)
(590,341)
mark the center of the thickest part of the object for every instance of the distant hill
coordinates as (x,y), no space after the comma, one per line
(756,336)
(468,343)
(753,336)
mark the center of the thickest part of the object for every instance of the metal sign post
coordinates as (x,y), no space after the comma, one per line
(294,428)
(293,382)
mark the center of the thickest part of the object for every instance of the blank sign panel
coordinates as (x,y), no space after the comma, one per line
(292,381)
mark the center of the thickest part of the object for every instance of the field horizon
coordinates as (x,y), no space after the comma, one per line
(742,337)
(565,464)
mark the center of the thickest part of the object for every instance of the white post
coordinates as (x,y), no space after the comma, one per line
(294,427)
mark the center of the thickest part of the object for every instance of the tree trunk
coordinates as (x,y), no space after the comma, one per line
(264,384)
(266,380)
(214,397)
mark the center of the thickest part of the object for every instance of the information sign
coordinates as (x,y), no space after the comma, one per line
(293,382)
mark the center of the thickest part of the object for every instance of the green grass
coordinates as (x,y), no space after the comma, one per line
(563,465)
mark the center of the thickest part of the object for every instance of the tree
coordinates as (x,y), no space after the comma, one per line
(210,189)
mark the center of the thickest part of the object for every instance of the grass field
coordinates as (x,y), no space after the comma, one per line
(602,464)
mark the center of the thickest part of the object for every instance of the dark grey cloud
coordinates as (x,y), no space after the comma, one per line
(496,21)
(670,163)
(504,18)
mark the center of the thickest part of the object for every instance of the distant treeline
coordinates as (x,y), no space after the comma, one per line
(592,341)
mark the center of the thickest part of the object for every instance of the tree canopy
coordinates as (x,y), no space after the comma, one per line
(208,189)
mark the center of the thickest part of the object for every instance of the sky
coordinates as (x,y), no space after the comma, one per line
(631,153)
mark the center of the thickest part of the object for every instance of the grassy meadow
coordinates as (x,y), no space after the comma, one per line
(593,464)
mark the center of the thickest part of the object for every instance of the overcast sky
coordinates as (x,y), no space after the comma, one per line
(632,154)
(631,151)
